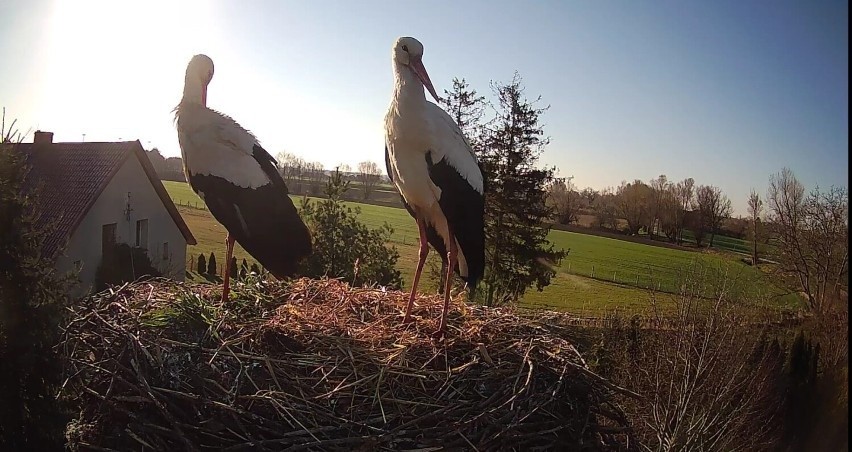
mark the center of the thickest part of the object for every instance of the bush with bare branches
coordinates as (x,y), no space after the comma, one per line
(709,381)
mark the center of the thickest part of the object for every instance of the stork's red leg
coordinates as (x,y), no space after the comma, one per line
(424,251)
(452,255)
(226,286)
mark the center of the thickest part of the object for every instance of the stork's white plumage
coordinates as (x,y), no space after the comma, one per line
(436,172)
(238,180)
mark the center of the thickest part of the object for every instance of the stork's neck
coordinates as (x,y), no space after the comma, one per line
(193,92)
(407,87)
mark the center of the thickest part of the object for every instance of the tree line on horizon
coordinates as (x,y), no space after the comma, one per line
(300,175)
(660,208)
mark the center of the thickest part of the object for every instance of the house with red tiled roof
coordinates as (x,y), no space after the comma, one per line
(93,195)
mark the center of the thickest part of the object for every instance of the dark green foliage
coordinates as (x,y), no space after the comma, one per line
(202,264)
(32,301)
(343,246)
(255,269)
(211,265)
(243,269)
(122,264)
(508,147)
(517,250)
(234,271)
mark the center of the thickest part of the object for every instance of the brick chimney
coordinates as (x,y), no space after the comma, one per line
(42,137)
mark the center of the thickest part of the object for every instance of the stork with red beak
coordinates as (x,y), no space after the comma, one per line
(437,175)
(238,180)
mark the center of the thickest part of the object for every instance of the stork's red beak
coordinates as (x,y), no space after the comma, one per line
(420,71)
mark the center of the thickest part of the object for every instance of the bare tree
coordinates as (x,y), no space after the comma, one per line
(669,213)
(656,204)
(713,207)
(589,195)
(721,211)
(684,194)
(632,201)
(605,209)
(701,205)
(315,176)
(562,195)
(812,237)
(755,209)
(291,168)
(369,174)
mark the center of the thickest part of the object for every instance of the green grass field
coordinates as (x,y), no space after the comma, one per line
(724,243)
(599,275)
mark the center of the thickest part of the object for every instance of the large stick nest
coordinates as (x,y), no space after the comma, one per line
(319,365)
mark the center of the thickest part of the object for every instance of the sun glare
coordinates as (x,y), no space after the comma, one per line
(114,70)
(113,63)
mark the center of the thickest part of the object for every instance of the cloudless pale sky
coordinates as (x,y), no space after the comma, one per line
(726,92)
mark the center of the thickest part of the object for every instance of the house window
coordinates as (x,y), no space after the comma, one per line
(107,237)
(142,233)
(166,251)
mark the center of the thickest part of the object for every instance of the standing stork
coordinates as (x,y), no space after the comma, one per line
(437,175)
(238,180)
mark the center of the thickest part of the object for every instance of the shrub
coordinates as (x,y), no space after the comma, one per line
(343,246)
(243,269)
(121,264)
(202,264)
(32,307)
(211,265)
(234,270)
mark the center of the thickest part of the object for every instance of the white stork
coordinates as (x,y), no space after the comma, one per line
(238,180)
(437,175)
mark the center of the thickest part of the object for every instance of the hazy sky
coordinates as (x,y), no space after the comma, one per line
(726,92)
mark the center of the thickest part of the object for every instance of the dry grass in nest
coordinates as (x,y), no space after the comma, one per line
(319,365)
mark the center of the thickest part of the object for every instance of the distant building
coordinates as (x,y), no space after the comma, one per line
(96,194)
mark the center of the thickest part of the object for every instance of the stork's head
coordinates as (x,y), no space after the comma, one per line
(199,72)
(408,52)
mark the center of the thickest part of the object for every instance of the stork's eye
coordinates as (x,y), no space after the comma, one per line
(405,48)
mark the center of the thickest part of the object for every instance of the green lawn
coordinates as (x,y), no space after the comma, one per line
(645,266)
(600,274)
(724,243)
(211,235)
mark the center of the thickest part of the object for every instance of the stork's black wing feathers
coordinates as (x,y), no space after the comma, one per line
(270,167)
(262,219)
(464,209)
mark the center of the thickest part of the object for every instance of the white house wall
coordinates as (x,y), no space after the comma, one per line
(85,244)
